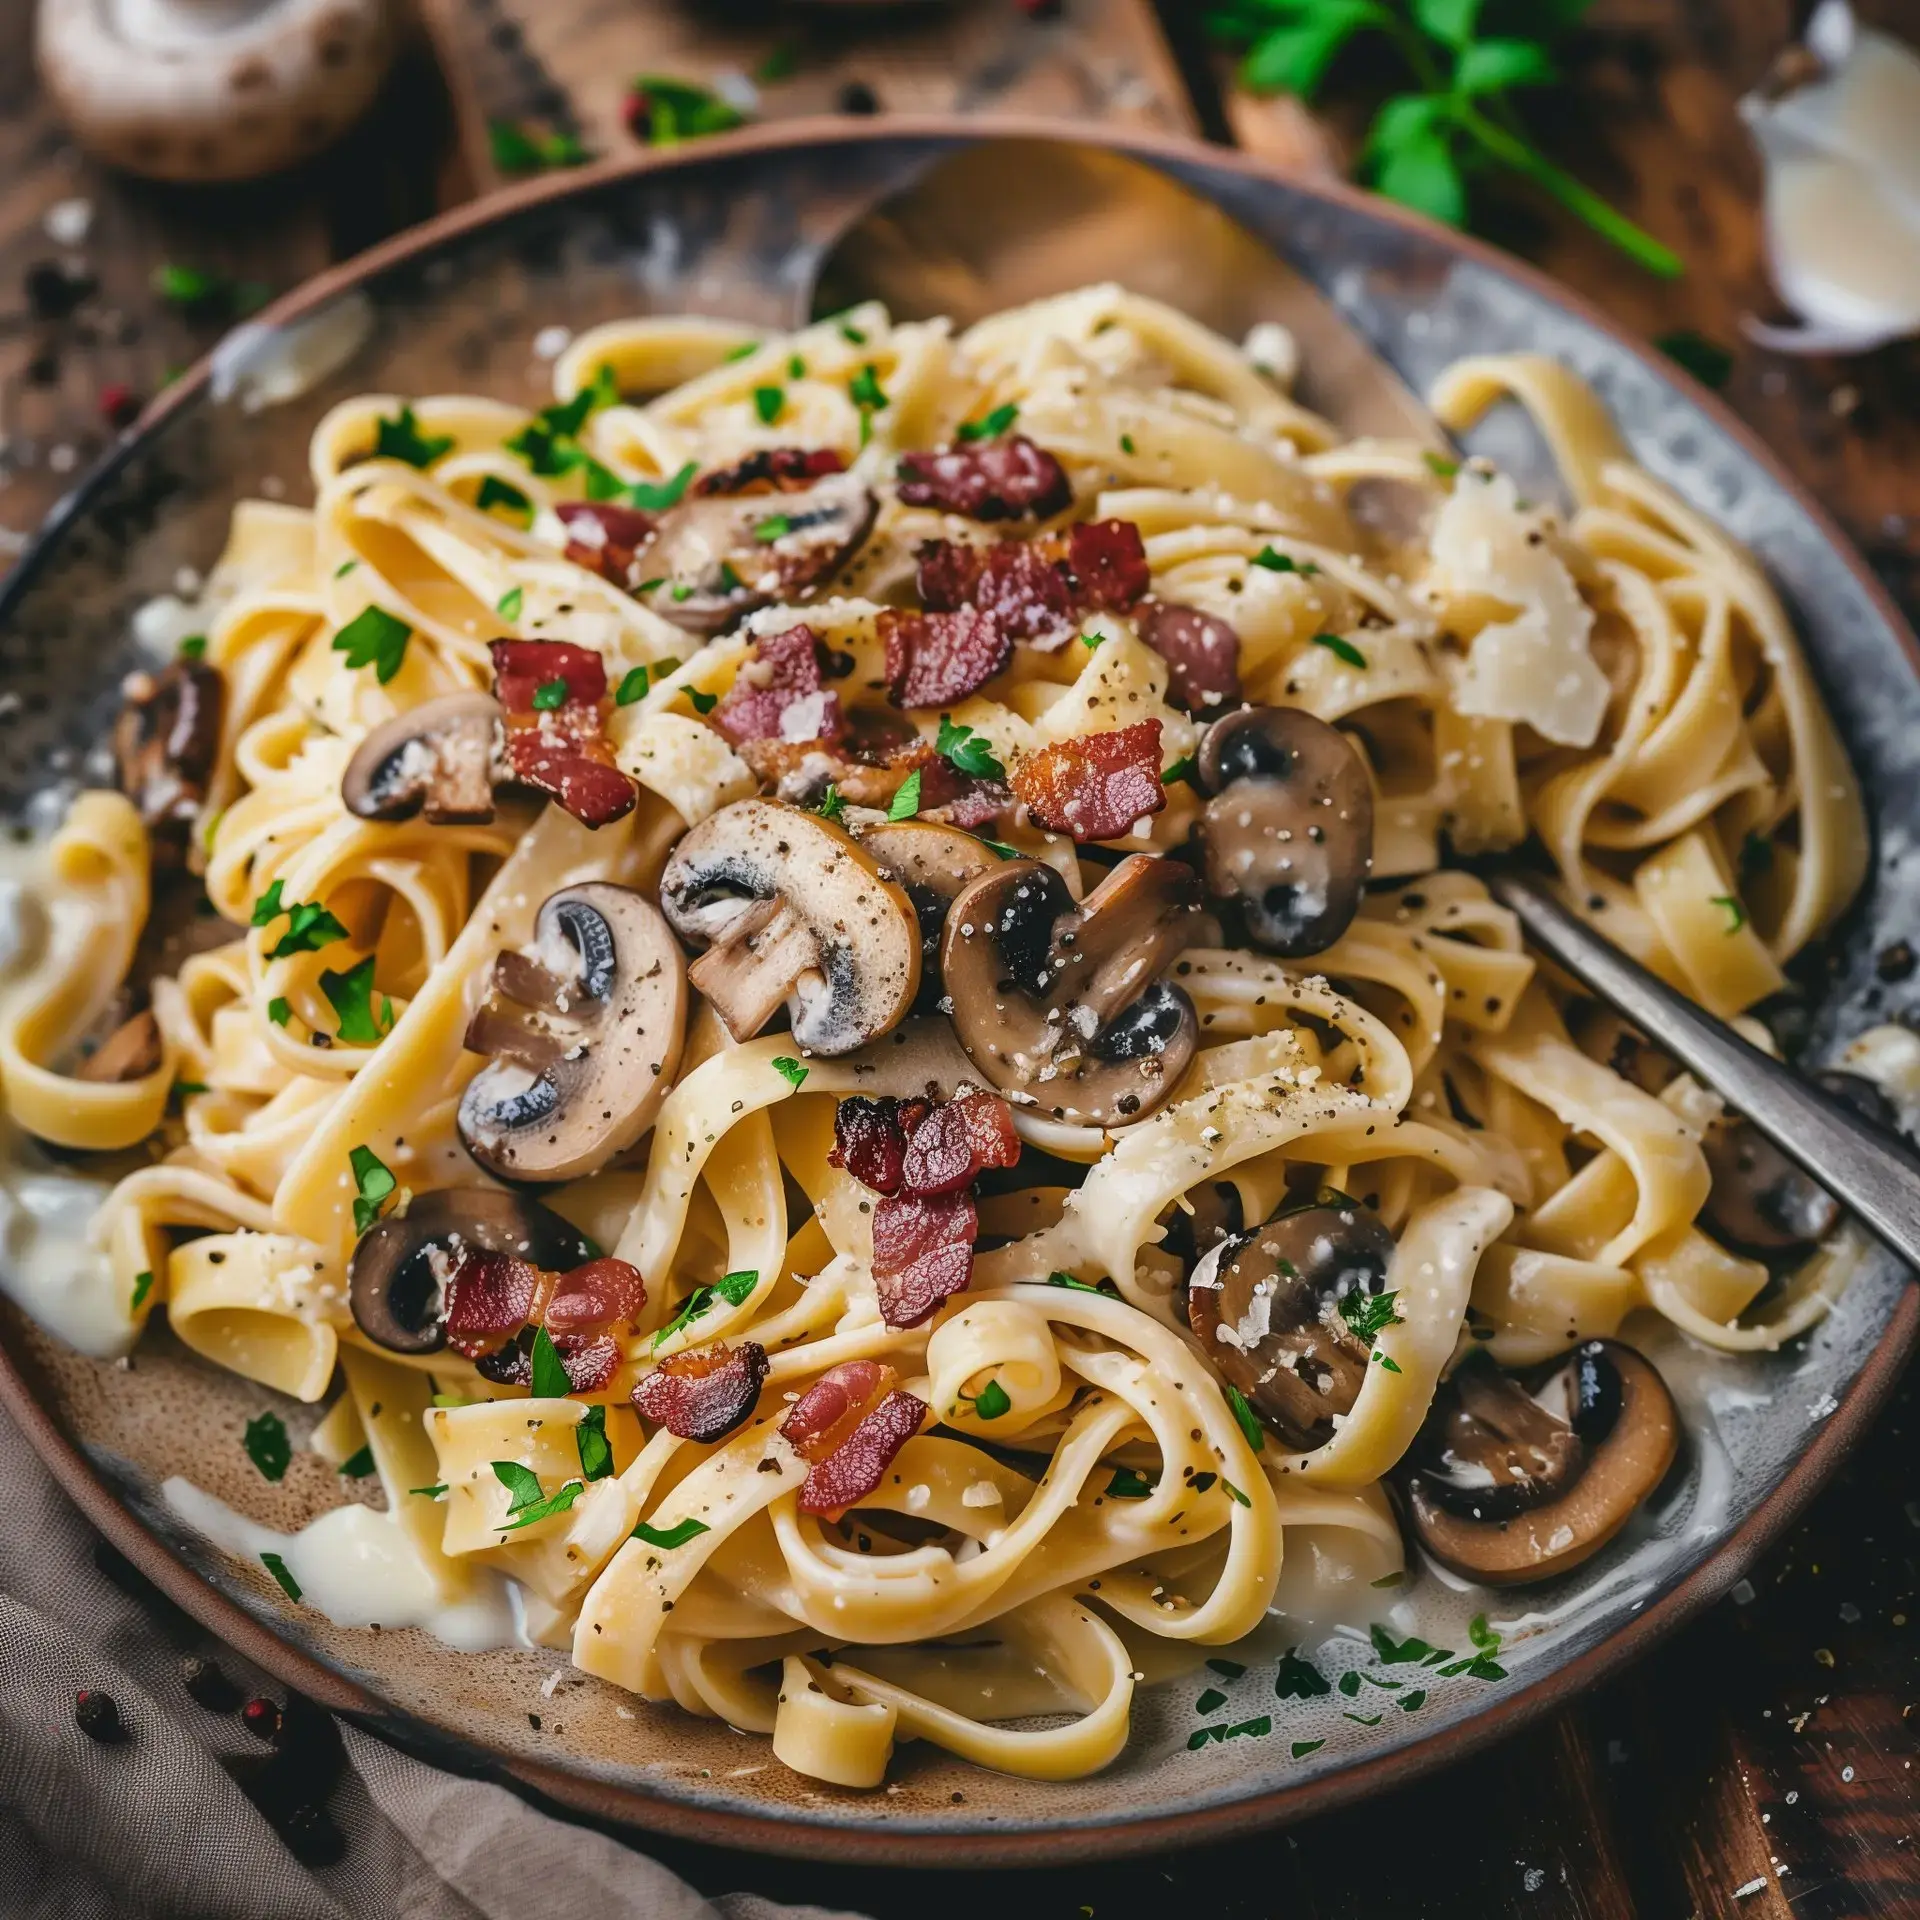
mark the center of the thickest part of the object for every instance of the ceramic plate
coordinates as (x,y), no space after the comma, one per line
(733,227)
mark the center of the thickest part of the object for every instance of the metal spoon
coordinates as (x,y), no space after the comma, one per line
(1865,1169)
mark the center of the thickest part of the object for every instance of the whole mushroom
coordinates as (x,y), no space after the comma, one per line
(584,1037)
(212,89)
(1064,1003)
(1517,1477)
(1288,830)
(791,909)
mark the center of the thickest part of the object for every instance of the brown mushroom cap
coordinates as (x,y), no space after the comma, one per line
(1514,1479)
(718,556)
(1760,1200)
(400,1264)
(1065,1002)
(933,865)
(166,741)
(437,758)
(790,908)
(1288,833)
(584,1034)
(1266,1309)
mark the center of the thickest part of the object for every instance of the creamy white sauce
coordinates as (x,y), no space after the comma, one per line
(48,1266)
(360,1568)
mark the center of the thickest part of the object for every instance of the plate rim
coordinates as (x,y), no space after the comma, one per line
(626,1807)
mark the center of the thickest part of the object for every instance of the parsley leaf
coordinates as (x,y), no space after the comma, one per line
(1343,650)
(991,1401)
(1211,1701)
(1368,1313)
(1735,912)
(550,1380)
(702,702)
(401,439)
(1439,465)
(596,1450)
(998,847)
(510,603)
(1182,769)
(268,1446)
(865,390)
(430,1493)
(1244,1414)
(550,696)
(495,492)
(773,526)
(142,1286)
(967,751)
(309,925)
(194,647)
(357,1466)
(529,1504)
(516,151)
(833,804)
(1231,1669)
(1128,1485)
(278,1568)
(657,496)
(906,802)
(676,1535)
(373,1183)
(1394,1653)
(1275,562)
(990,426)
(1234,1493)
(767,403)
(278,1011)
(374,638)
(791,1070)
(1299,1679)
(351,996)
(1301,1748)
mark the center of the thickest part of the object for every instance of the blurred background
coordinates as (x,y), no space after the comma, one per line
(1734,181)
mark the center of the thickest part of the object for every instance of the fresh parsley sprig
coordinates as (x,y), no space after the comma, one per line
(1424,143)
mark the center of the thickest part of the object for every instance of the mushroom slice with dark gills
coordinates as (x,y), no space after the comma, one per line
(1065,1003)
(1288,831)
(791,909)
(439,759)
(718,556)
(1280,1313)
(397,1278)
(165,744)
(583,1034)
(933,865)
(1760,1201)
(1517,1477)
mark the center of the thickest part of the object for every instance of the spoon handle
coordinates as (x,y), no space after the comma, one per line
(1862,1167)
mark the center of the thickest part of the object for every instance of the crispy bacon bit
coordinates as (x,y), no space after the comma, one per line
(561,750)
(779,694)
(490,1297)
(590,1363)
(1108,561)
(801,770)
(1023,587)
(955,1142)
(934,659)
(922,1253)
(1005,479)
(777,469)
(870,1138)
(603,1293)
(605,538)
(1202,655)
(848,1426)
(1096,785)
(705,1393)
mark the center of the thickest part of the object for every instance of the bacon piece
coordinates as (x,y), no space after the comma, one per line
(1023,587)
(1108,561)
(602,1293)
(1096,785)
(848,1426)
(922,1253)
(561,750)
(590,1363)
(779,694)
(703,1394)
(489,1298)
(955,1143)
(934,659)
(1005,479)
(869,1141)
(1202,655)
(605,538)
(776,469)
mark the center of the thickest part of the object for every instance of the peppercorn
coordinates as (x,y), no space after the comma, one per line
(857,97)
(98,1717)
(262,1718)
(311,1836)
(209,1685)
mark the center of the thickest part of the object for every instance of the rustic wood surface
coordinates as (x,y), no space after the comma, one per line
(1763,1763)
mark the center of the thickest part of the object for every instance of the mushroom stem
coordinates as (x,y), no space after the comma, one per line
(767,952)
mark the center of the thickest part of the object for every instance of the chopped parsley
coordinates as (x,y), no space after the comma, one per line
(373,1184)
(906,802)
(529,1504)
(596,1450)
(1735,912)
(773,526)
(1756,855)
(833,804)
(430,1493)
(278,1568)
(509,605)
(744,351)
(194,647)
(733,1288)
(1106,1288)
(356,1466)
(990,426)
(967,751)
(374,638)
(1234,1493)
(791,1071)
(515,150)
(268,1446)
(400,438)
(1299,1679)
(142,1286)
(1128,1485)
(549,442)
(1211,1701)
(1301,1748)
(1368,1314)
(636,682)
(796,367)
(495,492)
(1364,1719)
(1394,1653)
(991,1401)
(865,390)
(1244,1415)
(550,696)
(1091,640)
(702,702)
(1342,650)
(1275,562)
(1182,769)
(351,996)
(1412,1702)
(309,925)
(550,1380)
(1251,1729)
(652,497)
(1481,1665)
(999,847)
(1126,443)
(344,568)
(768,402)
(676,1535)
(1230,1669)
(1439,465)
(278,1011)
(849,332)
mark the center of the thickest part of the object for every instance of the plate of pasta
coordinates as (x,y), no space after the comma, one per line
(752,1064)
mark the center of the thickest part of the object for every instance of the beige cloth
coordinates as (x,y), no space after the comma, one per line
(155,1827)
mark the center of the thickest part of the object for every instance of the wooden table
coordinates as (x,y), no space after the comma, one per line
(1761,1764)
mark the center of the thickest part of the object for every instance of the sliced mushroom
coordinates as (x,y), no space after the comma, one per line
(584,1035)
(1760,1201)
(1288,833)
(397,1276)
(440,758)
(1064,1002)
(933,865)
(1267,1309)
(165,744)
(790,908)
(130,1052)
(718,556)
(1515,1478)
